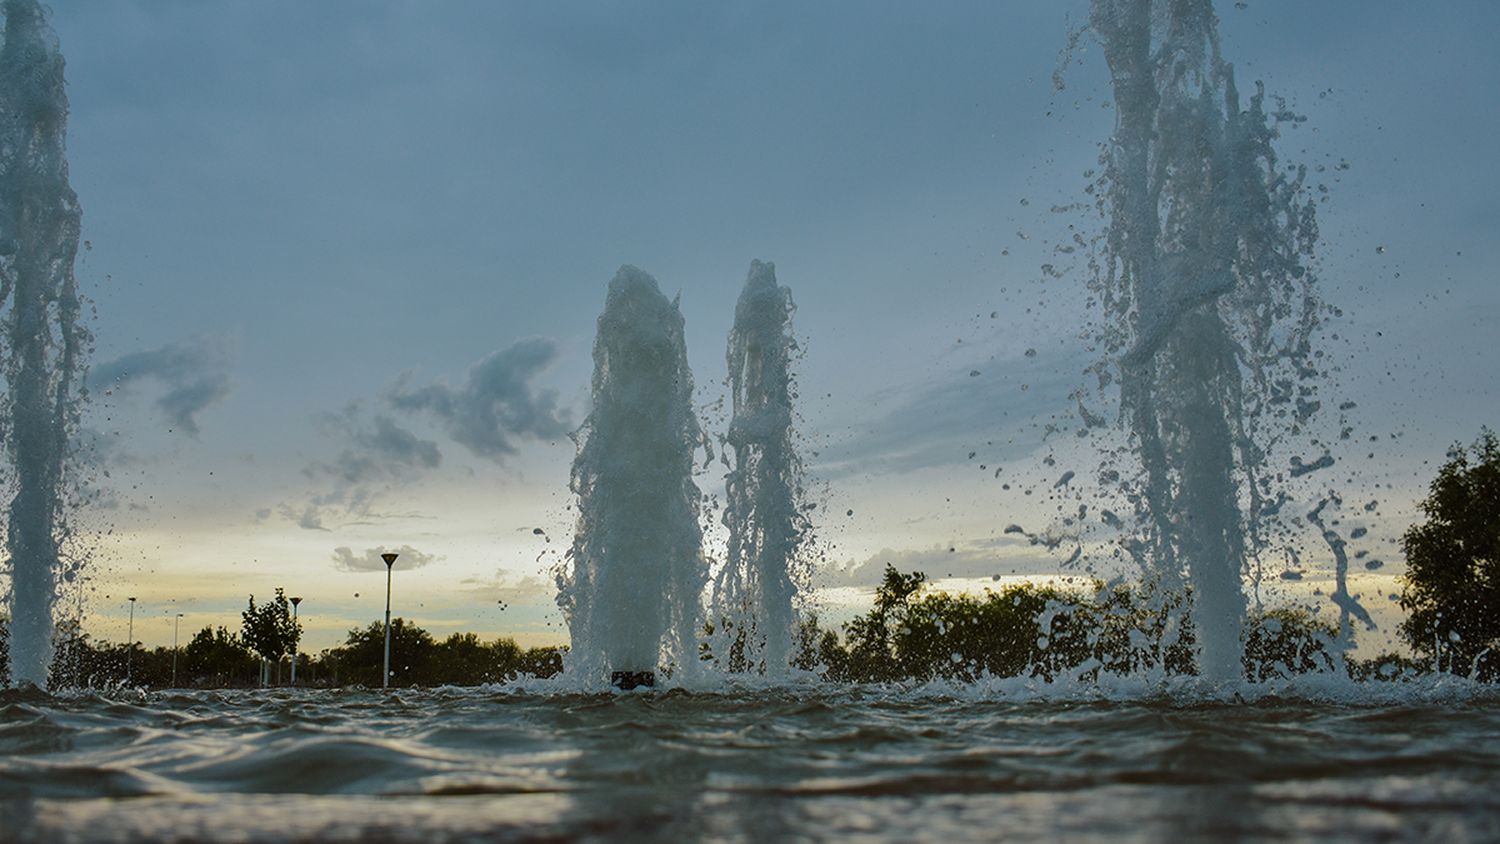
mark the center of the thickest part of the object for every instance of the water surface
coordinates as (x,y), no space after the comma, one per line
(808,763)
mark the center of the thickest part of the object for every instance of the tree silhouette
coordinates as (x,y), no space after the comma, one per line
(269,630)
(217,657)
(1042,631)
(417,659)
(1452,586)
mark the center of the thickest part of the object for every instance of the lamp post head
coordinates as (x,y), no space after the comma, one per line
(131,600)
(295,601)
(390,558)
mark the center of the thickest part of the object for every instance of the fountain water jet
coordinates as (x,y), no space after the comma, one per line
(755,590)
(1209,299)
(632,596)
(44,344)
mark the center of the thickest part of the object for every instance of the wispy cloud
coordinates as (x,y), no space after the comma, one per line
(345,559)
(377,453)
(509,587)
(378,448)
(496,403)
(193,376)
(991,558)
(1001,408)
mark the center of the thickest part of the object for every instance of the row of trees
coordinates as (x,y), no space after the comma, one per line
(219,658)
(417,659)
(914,633)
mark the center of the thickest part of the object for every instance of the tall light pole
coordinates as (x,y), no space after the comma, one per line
(130,640)
(176,625)
(390,560)
(295,602)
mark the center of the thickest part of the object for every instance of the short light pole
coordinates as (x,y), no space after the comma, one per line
(385,677)
(130,640)
(176,626)
(295,636)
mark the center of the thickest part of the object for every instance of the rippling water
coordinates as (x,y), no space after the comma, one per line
(531,763)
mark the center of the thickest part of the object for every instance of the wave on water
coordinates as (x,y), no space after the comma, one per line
(535,760)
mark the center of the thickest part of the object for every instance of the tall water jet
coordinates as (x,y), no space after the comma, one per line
(755,590)
(1209,302)
(632,597)
(44,344)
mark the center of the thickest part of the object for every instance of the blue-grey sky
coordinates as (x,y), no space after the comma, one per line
(325,238)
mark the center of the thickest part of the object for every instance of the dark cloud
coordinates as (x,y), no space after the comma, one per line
(193,375)
(495,404)
(408,558)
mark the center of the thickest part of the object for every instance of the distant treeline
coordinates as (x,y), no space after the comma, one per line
(218,658)
(913,633)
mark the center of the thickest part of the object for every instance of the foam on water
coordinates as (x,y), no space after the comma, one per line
(43,342)
(632,593)
(755,590)
(1210,306)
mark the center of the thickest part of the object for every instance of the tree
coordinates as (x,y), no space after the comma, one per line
(1451,590)
(361,657)
(218,658)
(1285,641)
(269,629)
(913,634)
(871,650)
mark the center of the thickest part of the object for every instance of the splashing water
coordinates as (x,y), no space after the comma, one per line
(44,344)
(1210,305)
(755,591)
(632,595)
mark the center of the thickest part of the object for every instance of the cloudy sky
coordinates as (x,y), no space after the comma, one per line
(347,259)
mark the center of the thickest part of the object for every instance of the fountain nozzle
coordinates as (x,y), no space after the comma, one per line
(627,680)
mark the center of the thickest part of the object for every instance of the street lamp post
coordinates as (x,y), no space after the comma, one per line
(78,638)
(295,602)
(130,640)
(385,677)
(176,626)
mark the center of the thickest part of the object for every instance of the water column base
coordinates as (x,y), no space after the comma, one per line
(627,680)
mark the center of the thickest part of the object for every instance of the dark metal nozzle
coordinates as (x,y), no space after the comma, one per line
(627,680)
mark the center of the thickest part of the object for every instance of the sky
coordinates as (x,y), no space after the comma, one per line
(346,260)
